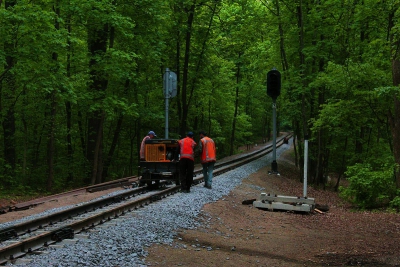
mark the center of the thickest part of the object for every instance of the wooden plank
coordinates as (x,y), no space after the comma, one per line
(320,212)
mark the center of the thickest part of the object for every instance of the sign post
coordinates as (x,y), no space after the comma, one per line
(169,86)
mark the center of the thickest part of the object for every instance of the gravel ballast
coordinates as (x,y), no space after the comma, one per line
(124,241)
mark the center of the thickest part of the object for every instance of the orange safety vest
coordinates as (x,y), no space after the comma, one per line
(187,148)
(209,152)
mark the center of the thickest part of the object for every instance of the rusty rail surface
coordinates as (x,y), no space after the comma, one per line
(92,188)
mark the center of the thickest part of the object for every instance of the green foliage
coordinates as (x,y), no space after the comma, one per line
(368,187)
(342,90)
(395,203)
(354,113)
(244,129)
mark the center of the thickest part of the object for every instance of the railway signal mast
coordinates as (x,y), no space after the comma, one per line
(272,201)
(169,86)
(274,90)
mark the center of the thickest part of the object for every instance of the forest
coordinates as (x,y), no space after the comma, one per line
(81,84)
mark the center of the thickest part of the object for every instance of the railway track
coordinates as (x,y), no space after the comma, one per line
(30,237)
(93,188)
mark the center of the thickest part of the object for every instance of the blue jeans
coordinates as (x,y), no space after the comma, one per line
(208,168)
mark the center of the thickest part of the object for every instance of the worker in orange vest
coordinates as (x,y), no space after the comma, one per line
(186,162)
(208,155)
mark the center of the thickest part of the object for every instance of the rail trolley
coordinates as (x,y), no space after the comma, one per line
(161,162)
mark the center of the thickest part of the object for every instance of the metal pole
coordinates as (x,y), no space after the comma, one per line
(274,164)
(166,117)
(166,93)
(305,167)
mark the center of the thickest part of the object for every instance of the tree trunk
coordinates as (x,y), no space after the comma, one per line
(394,118)
(343,165)
(81,132)
(96,171)
(300,149)
(178,71)
(68,107)
(117,131)
(232,144)
(285,65)
(114,143)
(97,44)
(51,114)
(359,145)
(296,157)
(184,95)
(322,150)
(8,97)
(318,172)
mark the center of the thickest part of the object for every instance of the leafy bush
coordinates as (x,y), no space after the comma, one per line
(369,188)
(395,203)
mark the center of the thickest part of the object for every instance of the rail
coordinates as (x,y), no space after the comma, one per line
(65,224)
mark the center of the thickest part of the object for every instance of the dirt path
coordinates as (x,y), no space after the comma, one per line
(233,234)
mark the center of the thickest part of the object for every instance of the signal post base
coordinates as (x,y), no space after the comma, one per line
(289,203)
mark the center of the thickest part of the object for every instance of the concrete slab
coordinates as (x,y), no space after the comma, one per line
(290,203)
(282,206)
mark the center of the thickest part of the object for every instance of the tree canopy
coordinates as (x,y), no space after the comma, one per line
(81,83)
